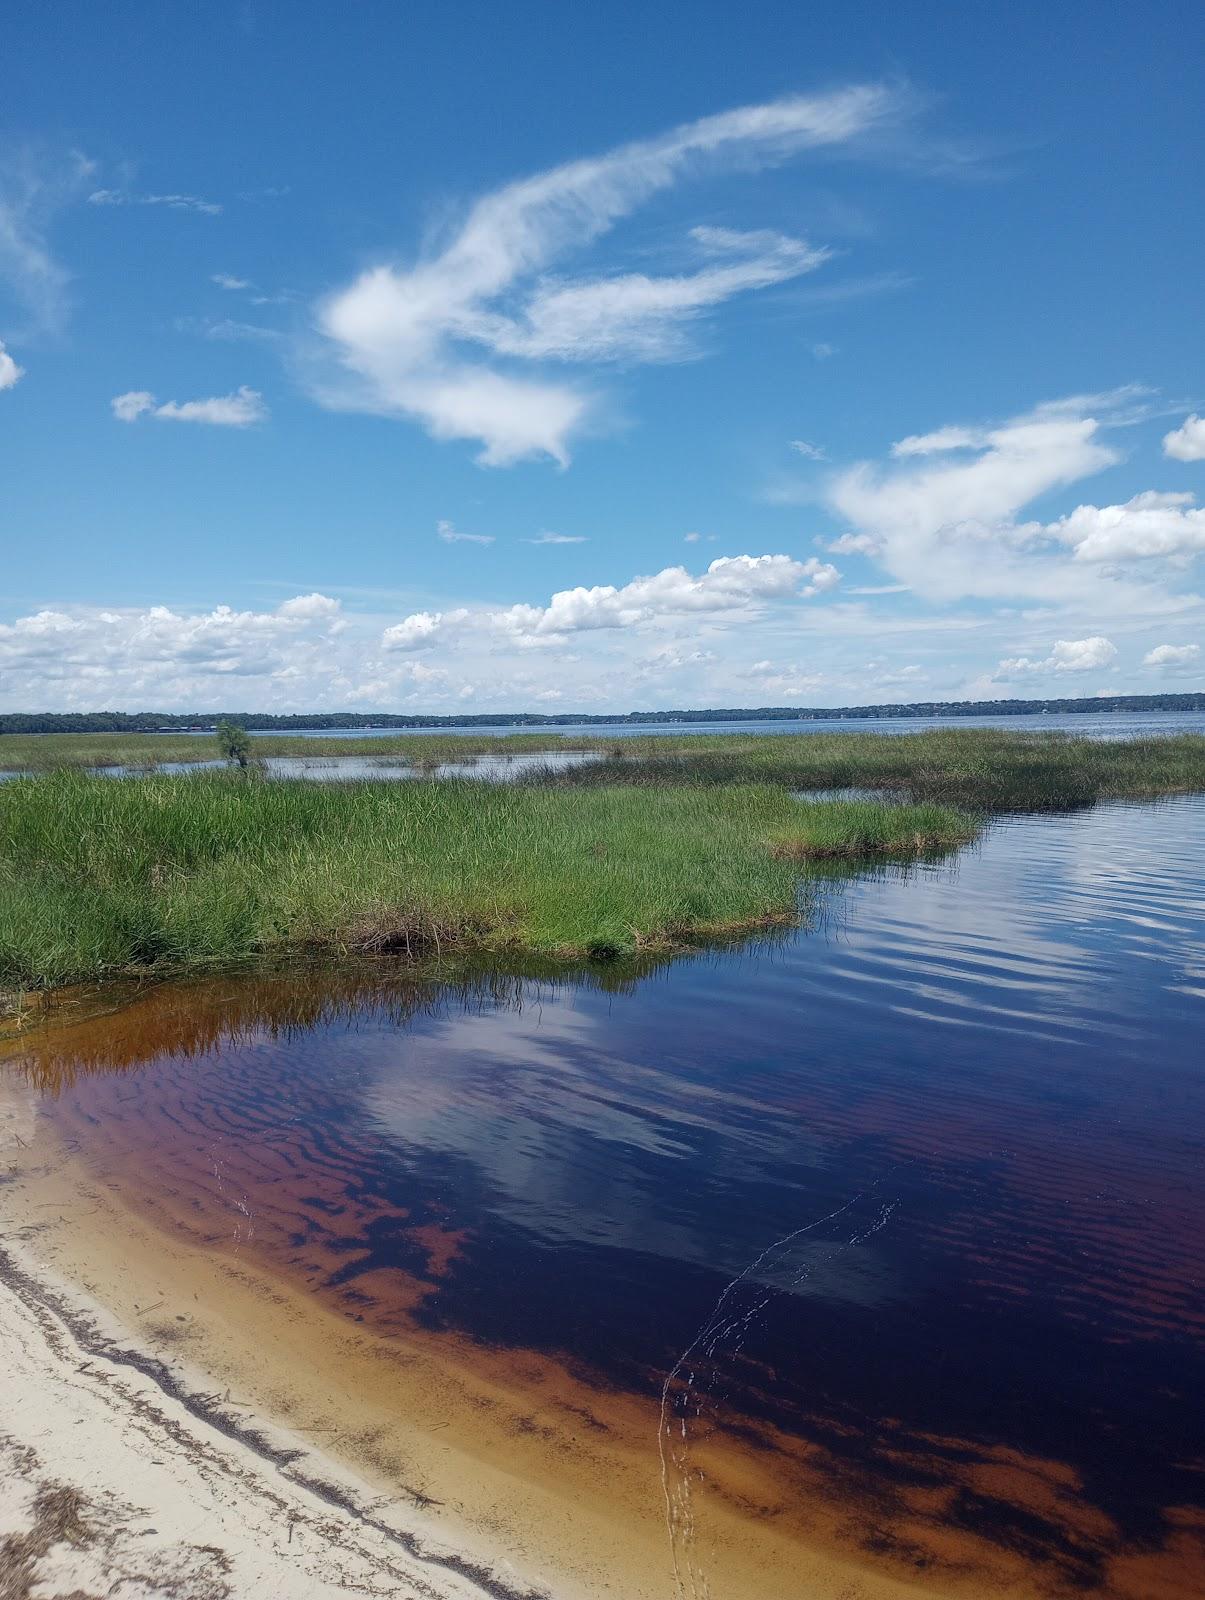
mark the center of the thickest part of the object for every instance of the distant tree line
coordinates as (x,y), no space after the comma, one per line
(207,721)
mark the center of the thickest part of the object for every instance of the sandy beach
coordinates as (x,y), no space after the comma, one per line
(275,1448)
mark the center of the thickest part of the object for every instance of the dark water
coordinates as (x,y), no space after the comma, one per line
(920,1187)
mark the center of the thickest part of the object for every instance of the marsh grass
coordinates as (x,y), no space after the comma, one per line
(168,873)
(864,829)
(984,769)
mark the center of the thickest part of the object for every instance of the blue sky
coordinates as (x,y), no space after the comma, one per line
(458,357)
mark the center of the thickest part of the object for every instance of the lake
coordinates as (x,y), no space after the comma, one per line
(864,1262)
(1096,725)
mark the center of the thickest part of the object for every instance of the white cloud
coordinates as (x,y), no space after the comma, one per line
(730,585)
(634,316)
(1187,442)
(810,452)
(241,409)
(310,608)
(941,439)
(1172,655)
(422,630)
(90,656)
(942,516)
(402,335)
(1068,655)
(226,280)
(10,373)
(1150,524)
(132,405)
(176,202)
(823,351)
(447,532)
(558,538)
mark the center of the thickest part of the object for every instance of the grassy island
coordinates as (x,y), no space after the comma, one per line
(659,841)
(986,769)
(165,873)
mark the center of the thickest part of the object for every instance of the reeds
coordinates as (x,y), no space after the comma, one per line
(985,769)
(100,876)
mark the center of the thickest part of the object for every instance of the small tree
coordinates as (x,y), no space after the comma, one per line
(233,742)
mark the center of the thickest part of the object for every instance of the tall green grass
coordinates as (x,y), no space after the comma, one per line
(99,876)
(986,769)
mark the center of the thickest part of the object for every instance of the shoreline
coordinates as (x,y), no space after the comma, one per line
(503,1478)
(89,1415)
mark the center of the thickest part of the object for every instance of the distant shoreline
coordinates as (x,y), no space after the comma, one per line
(319,721)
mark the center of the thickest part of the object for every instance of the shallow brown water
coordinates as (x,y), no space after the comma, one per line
(883,1245)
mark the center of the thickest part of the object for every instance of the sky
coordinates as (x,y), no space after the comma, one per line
(451,358)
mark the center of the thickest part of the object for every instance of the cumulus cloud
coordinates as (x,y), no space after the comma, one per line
(447,532)
(404,336)
(10,372)
(1172,655)
(731,584)
(942,514)
(1187,442)
(1149,524)
(53,656)
(422,629)
(238,410)
(1068,655)
(175,202)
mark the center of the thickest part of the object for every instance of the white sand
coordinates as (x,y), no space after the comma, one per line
(172,1505)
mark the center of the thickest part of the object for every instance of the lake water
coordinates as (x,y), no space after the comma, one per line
(900,1219)
(1102,725)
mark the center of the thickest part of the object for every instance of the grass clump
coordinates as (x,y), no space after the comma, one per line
(170,872)
(859,829)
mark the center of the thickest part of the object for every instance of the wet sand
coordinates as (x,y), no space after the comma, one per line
(528,1476)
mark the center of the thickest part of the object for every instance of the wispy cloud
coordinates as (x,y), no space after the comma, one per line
(34,187)
(809,451)
(448,533)
(557,538)
(241,409)
(401,334)
(226,280)
(175,202)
